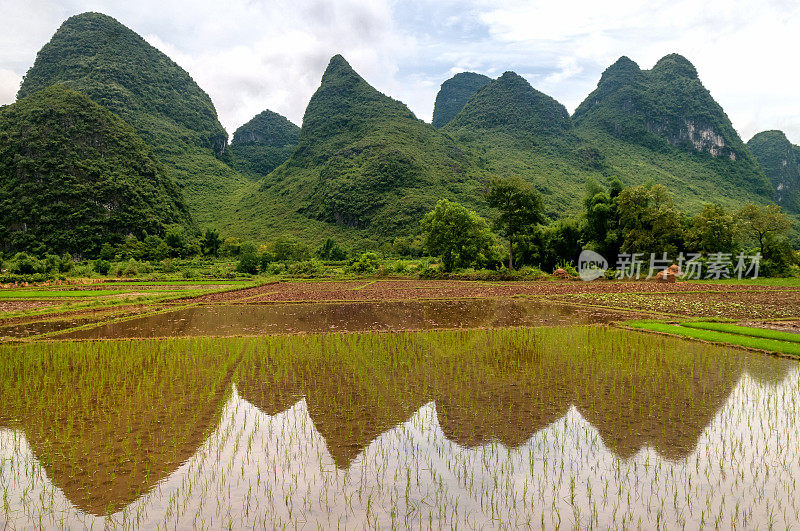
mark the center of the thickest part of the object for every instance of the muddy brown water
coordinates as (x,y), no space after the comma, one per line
(547,427)
(259,319)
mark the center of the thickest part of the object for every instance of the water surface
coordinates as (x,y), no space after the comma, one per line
(259,319)
(569,426)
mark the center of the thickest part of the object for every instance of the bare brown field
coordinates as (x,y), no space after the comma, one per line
(381,290)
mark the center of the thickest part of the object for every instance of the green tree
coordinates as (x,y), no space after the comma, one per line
(648,219)
(155,248)
(101,266)
(458,235)
(763,222)
(601,228)
(176,240)
(712,230)
(288,249)
(211,243)
(248,259)
(521,209)
(331,250)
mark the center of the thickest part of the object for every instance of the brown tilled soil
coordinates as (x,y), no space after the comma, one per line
(378,290)
(781,326)
(15,306)
(755,303)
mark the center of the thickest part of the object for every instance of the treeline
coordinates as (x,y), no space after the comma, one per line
(615,219)
(518,242)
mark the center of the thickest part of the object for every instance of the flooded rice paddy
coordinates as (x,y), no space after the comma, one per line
(255,319)
(566,426)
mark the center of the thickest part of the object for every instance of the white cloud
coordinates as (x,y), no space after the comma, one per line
(250,55)
(740,47)
(9,85)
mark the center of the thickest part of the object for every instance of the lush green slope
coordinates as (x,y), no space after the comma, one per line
(74,175)
(511,105)
(263,143)
(454,94)
(668,110)
(659,125)
(781,162)
(95,54)
(513,129)
(365,161)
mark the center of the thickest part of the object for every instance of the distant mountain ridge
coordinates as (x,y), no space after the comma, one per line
(781,162)
(454,94)
(263,143)
(363,167)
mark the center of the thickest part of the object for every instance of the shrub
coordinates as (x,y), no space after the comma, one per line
(287,249)
(366,263)
(25,264)
(248,263)
(101,266)
(265,260)
(331,250)
(306,268)
(132,268)
(168,265)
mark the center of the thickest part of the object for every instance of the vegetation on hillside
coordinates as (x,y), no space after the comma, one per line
(667,110)
(74,176)
(365,161)
(781,162)
(364,170)
(454,94)
(263,143)
(95,54)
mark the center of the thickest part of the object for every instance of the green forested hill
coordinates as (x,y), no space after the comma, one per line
(363,167)
(454,94)
(365,161)
(73,175)
(263,143)
(660,125)
(511,105)
(513,129)
(781,162)
(668,111)
(96,55)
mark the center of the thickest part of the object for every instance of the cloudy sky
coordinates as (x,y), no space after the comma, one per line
(251,55)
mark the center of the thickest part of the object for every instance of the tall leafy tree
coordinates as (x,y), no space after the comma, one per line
(211,242)
(601,228)
(648,220)
(712,230)
(521,209)
(763,222)
(458,235)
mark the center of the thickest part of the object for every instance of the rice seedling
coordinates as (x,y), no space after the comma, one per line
(567,426)
(751,331)
(754,339)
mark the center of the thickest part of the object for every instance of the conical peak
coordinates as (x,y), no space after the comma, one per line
(623,68)
(91,17)
(512,76)
(676,64)
(772,134)
(338,65)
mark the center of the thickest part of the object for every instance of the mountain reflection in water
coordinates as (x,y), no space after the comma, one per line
(119,428)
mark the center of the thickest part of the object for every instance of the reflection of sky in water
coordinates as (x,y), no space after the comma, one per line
(263,470)
(240,319)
